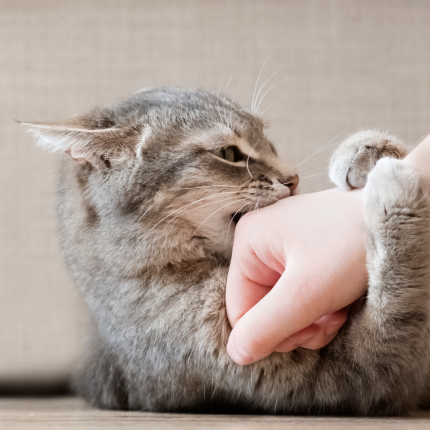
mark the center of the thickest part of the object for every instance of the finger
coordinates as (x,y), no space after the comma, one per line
(255,265)
(297,339)
(318,341)
(248,281)
(332,322)
(244,296)
(267,324)
(317,335)
(328,325)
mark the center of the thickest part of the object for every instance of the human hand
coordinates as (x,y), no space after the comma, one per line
(295,266)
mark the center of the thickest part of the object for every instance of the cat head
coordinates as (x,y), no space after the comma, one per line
(171,166)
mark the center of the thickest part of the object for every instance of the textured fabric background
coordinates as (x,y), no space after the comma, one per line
(341,65)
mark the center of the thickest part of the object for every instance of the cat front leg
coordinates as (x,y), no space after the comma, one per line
(386,347)
(100,379)
(356,156)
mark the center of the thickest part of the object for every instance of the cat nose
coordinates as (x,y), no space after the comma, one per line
(291,182)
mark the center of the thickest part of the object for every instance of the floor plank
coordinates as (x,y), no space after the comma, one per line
(72,413)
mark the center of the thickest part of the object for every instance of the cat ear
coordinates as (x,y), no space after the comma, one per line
(102,148)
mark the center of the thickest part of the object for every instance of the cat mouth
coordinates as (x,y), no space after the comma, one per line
(237,216)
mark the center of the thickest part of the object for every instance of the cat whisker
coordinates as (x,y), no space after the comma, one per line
(230,119)
(235,110)
(237,86)
(301,178)
(230,123)
(247,161)
(213,213)
(147,210)
(256,84)
(230,116)
(311,176)
(228,84)
(240,109)
(270,107)
(188,205)
(247,165)
(309,170)
(222,115)
(219,95)
(199,207)
(267,81)
(275,185)
(256,205)
(226,119)
(268,90)
(215,195)
(325,146)
(207,186)
(221,118)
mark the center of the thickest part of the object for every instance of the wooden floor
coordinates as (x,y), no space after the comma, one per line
(72,413)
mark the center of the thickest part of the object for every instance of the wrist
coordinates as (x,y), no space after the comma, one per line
(419,157)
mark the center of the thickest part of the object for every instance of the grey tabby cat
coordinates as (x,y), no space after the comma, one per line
(148,202)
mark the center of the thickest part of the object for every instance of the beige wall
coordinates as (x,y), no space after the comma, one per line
(342,65)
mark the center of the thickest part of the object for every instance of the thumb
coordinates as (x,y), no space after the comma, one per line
(286,309)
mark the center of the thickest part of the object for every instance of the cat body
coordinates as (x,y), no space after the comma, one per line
(148,202)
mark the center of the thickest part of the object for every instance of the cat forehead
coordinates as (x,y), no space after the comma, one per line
(165,107)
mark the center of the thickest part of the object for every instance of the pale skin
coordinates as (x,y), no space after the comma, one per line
(296,267)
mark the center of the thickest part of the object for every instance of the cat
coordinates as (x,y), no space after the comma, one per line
(150,192)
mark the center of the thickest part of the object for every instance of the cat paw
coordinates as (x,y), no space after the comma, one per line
(357,155)
(395,191)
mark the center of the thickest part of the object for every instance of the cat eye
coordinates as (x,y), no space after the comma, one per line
(230,153)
